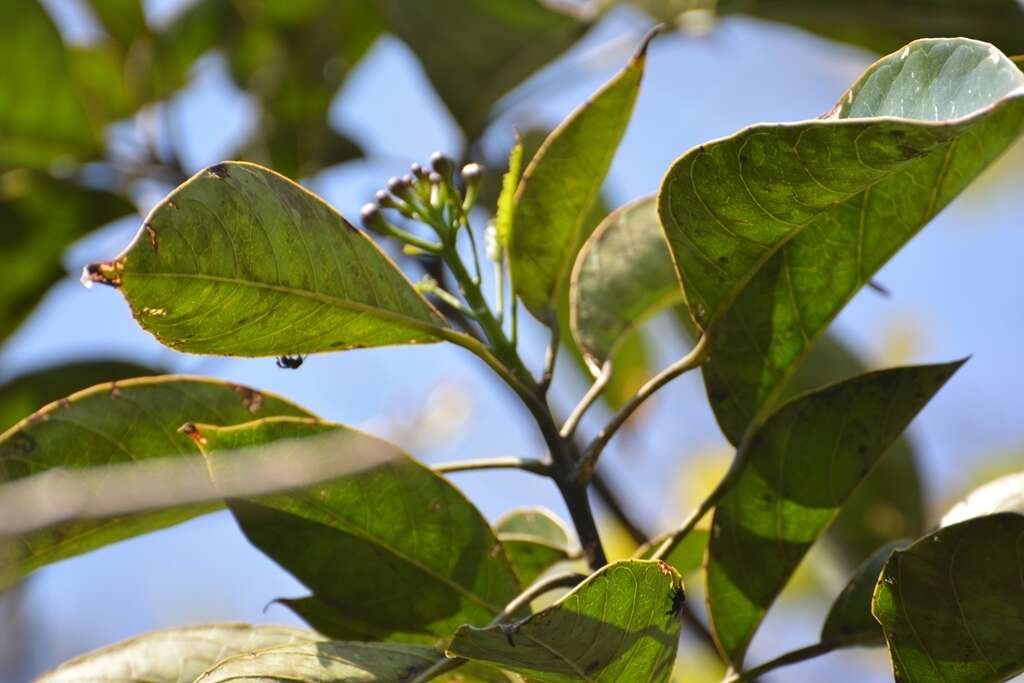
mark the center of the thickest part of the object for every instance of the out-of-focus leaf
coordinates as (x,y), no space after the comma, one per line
(850,615)
(23,395)
(124,20)
(107,89)
(535,540)
(200,27)
(621,624)
(789,480)
(42,118)
(952,605)
(1005,494)
(686,557)
(119,422)
(41,217)
(885,25)
(293,57)
(176,655)
(396,548)
(340,662)
(774,229)
(560,185)
(889,503)
(279,272)
(476,51)
(623,275)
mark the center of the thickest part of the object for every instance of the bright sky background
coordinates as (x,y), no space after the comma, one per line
(955,293)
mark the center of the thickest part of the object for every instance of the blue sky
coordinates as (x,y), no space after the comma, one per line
(955,293)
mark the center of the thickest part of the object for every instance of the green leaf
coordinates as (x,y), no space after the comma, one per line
(340,662)
(686,557)
(476,51)
(623,276)
(620,624)
(850,615)
(42,119)
(22,395)
(790,479)
(560,185)
(1005,494)
(885,25)
(119,422)
(42,216)
(241,261)
(173,656)
(534,540)
(952,605)
(505,214)
(774,229)
(124,20)
(395,548)
(889,504)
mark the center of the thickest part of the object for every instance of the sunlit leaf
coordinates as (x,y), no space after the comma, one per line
(774,229)
(790,479)
(476,51)
(395,548)
(130,421)
(560,185)
(174,656)
(621,624)
(952,604)
(1005,494)
(535,540)
(279,272)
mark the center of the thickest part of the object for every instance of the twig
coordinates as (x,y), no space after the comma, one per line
(803,654)
(569,428)
(527,465)
(688,362)
(550,356)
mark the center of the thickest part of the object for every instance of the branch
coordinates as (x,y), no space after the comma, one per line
(803,654)
(527,465)
(550,356)
(569,428)
(693,359)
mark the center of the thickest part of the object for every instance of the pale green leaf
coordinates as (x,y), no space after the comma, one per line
(621,624)
(560,185)
(241,261)
(534,540)
(505,214)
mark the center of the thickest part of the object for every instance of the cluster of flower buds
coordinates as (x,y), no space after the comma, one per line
(430,197)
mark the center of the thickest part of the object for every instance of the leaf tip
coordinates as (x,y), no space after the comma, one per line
(641,52)
(102,273)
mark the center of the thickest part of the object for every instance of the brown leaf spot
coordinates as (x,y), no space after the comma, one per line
(102,273)
(152,237)
(251,399)
(190,430)
(219,170)
(115,391)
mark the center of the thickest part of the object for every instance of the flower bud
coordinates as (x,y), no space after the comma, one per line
(472,173)
(403,188)
(442,164)
(372,218)
(419,171)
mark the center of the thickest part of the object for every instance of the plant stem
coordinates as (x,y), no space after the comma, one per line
(550,356)
(527,465)
(670,543)
(803,654)
(693,359)
(569,428)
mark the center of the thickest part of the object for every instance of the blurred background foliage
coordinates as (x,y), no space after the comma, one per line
(91,132)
